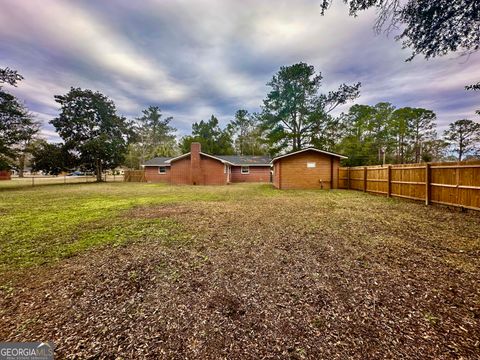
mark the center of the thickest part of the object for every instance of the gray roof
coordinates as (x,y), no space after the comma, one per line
(245,160)
(232,159)
(158,161)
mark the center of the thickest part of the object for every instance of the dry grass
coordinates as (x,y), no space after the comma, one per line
(256,273)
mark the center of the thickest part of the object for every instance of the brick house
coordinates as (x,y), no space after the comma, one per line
(307,169)
(198,168)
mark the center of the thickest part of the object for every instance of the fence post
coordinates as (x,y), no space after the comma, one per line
(457,181)
(427,184)
(33,180)
(389,180)
(348,178)
(364,179)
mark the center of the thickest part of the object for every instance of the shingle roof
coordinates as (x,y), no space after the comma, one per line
(245,160)
(310,149)
(232,159)
(158,161)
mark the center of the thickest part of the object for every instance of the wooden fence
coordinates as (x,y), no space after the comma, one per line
(455,184)
(134,176)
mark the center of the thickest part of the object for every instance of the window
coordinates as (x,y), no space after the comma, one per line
(162,169)
(311,164)
(245,170)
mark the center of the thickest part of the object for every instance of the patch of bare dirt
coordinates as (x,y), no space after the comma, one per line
(296,277)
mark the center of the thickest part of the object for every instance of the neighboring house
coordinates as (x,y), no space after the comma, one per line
(116,171)
(307,169)
(198,168)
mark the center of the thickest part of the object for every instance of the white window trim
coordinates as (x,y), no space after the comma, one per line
(162,173)
(311,165)
(245,173)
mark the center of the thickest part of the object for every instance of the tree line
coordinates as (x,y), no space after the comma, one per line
(295,114)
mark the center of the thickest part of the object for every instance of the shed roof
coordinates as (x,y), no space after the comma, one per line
(310,149)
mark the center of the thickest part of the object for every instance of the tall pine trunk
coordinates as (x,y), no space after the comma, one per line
(297,142)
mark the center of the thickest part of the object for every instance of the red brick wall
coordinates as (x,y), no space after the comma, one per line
(195,163)
(198,169)
(152,174)
(180,171)
(212,171)
(5,175)
(257,174)
(294,173)
(336,165)
(276,174)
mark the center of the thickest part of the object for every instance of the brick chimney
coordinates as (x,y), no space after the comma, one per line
(195,169)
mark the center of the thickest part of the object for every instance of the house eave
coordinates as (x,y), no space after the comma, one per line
(308,149)
(178,157)
(201,153)
(156,165)
(216,158)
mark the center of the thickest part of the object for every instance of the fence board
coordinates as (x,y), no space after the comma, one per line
(134,176)
(377,180)
(356,178)
(455,184)
(343,175)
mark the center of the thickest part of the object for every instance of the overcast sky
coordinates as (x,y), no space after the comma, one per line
(197,58)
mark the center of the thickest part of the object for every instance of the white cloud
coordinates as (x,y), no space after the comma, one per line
(71,29)
(215,56)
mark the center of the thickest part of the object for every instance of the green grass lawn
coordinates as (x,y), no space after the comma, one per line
(43,224)
(135,270)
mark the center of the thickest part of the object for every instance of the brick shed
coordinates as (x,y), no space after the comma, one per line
(198,168)
(307,169)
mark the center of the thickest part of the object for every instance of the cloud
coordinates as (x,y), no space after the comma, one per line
(208,57)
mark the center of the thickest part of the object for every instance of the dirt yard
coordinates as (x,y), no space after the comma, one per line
(143,271)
